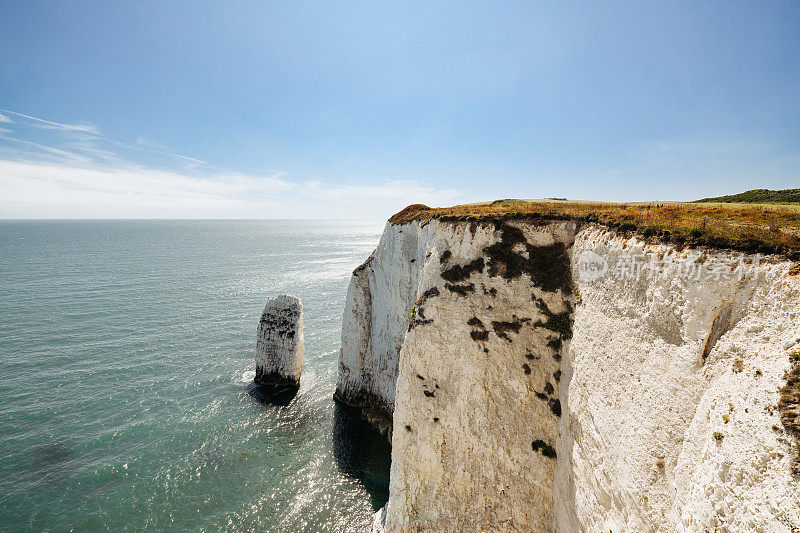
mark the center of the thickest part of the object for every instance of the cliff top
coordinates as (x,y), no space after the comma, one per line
(766,229)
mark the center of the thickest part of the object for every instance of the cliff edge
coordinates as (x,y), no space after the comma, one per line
(551,373)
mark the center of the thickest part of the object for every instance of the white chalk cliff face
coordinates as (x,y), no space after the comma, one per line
(528,392)
(279,345)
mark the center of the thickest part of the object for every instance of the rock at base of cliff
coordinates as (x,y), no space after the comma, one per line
(372,407)
(379,521)
(279,347)
(274,379)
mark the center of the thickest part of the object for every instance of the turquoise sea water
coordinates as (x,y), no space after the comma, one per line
(126,360)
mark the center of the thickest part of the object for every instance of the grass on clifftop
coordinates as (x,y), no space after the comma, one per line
(753,229)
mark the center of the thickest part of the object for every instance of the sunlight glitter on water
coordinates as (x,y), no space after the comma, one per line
(131,402)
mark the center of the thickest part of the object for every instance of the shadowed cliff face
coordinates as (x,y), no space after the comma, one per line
(525,398)
(362,452)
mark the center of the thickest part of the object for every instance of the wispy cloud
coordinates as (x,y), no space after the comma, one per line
(5,119)
(83,174)
(166,152)
(47,124)
(154,145)
(87,138)
(42,190)
(22,149)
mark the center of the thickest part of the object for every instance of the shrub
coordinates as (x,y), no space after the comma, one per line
(718,435)
(760,196)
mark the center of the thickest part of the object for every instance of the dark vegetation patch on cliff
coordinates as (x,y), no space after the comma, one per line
(555,344)
(512,256)
(445,257)
(789,405)
(462,290)
(458,273)
(560,323)
(418,318)
(479,332)
(475,321)
(418,314)
(547,396)
(555,406)
(544,448)
(282,322)
(765,229)
(430,293)
(502,328)
(479,335)
(419,322)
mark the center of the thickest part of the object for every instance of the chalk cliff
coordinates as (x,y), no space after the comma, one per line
(550,375)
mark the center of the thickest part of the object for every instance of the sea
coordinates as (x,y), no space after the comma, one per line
(126,368)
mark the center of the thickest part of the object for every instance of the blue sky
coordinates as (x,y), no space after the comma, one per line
(356,109)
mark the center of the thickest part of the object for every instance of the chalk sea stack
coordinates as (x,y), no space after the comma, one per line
(279,347)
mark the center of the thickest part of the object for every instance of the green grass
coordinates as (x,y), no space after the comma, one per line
(760,196)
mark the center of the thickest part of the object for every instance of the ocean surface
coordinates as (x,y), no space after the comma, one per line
(126,366)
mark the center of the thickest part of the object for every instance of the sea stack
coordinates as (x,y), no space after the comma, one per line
(279,347)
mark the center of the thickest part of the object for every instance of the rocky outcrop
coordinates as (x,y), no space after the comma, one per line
(279,347)
(541,376)
(380,300)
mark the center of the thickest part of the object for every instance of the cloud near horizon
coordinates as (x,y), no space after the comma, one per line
(83,174)
(48,190)
(71,172)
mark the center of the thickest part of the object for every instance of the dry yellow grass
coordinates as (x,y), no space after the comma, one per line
(750,228)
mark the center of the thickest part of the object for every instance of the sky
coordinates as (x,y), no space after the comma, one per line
(353,110)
